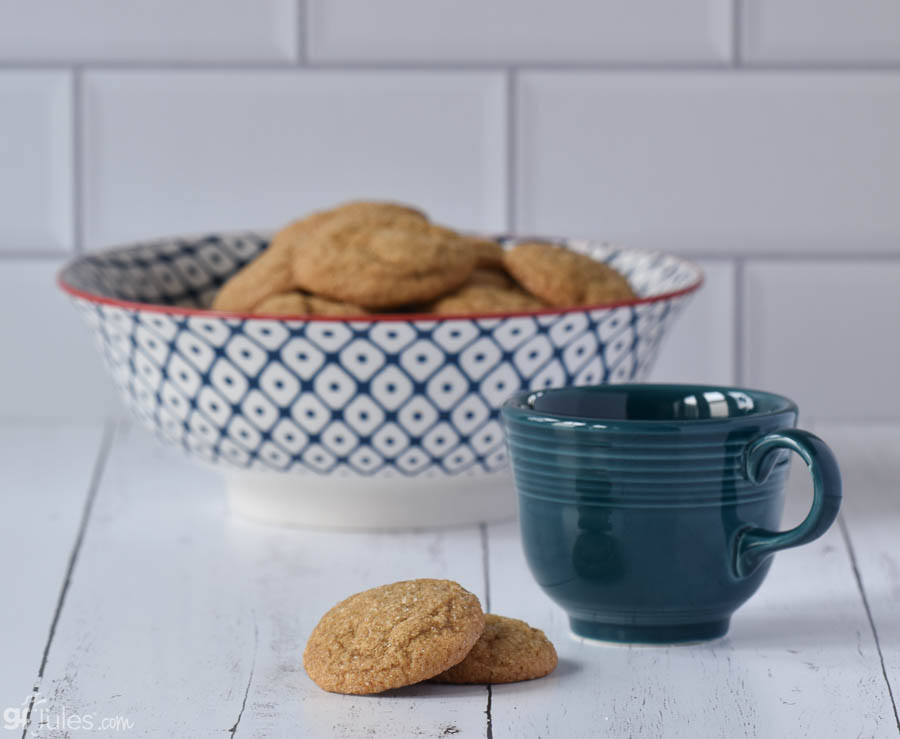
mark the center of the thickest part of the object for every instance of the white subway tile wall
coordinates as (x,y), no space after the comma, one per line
(762,137)
(700,345)
(822,31)
(529,31)
(222,150)
(50,366)
(826,334)
(35,161)
(233,31)
(712,162)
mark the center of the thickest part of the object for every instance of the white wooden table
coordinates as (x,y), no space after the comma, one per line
(130,595)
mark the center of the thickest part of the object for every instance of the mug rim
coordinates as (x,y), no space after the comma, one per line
(520,407)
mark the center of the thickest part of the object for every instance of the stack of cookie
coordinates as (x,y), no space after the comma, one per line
(416,630)
(366,257)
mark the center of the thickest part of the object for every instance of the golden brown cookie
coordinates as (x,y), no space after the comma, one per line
(393,635)
(490,253)
(485,299)
(382,262)
(508,650)
(299,304)
(491,277)
(564,278)
(271,272)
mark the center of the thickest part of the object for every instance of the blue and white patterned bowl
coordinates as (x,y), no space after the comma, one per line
(387,420)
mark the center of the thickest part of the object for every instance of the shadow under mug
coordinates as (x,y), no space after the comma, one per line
(650,512)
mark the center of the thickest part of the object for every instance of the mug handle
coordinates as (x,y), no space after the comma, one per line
(753,545)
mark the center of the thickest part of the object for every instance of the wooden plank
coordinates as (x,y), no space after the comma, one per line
(187,622)
(800,659)
(45,478)
(870,466)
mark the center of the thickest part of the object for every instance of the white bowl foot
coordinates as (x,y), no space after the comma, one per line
(370,503)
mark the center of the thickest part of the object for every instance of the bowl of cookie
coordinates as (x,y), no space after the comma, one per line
(347,371)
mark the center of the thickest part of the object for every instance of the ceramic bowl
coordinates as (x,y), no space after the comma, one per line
(381,421)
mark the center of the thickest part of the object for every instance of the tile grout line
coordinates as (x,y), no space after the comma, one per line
(94,485)
(511,149)
(845,533)
(738,348)
(77,162)
(486,570)
(737,27)
(301,23)
(672,66)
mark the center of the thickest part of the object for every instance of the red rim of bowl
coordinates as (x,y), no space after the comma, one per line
(368,317)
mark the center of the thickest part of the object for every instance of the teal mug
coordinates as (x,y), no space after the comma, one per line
(650,513)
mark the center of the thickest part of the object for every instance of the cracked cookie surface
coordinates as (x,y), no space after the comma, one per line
(508,650)
(393,635)
(383,262)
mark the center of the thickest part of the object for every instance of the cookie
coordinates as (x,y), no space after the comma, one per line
(509,650)
(382,262)
(299,304)
(489,253)
(479,298)
(393,635)
(377,208)
(271,272)
(491,277)
(564,278)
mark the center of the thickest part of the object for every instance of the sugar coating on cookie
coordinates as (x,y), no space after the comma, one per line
(383,262)
(509,650)
(564,278)
(299,304)
(393,635)
(481,298)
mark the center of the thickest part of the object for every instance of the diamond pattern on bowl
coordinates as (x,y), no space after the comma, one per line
(421,359)
(479,357)
(440,439)
(364,415)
